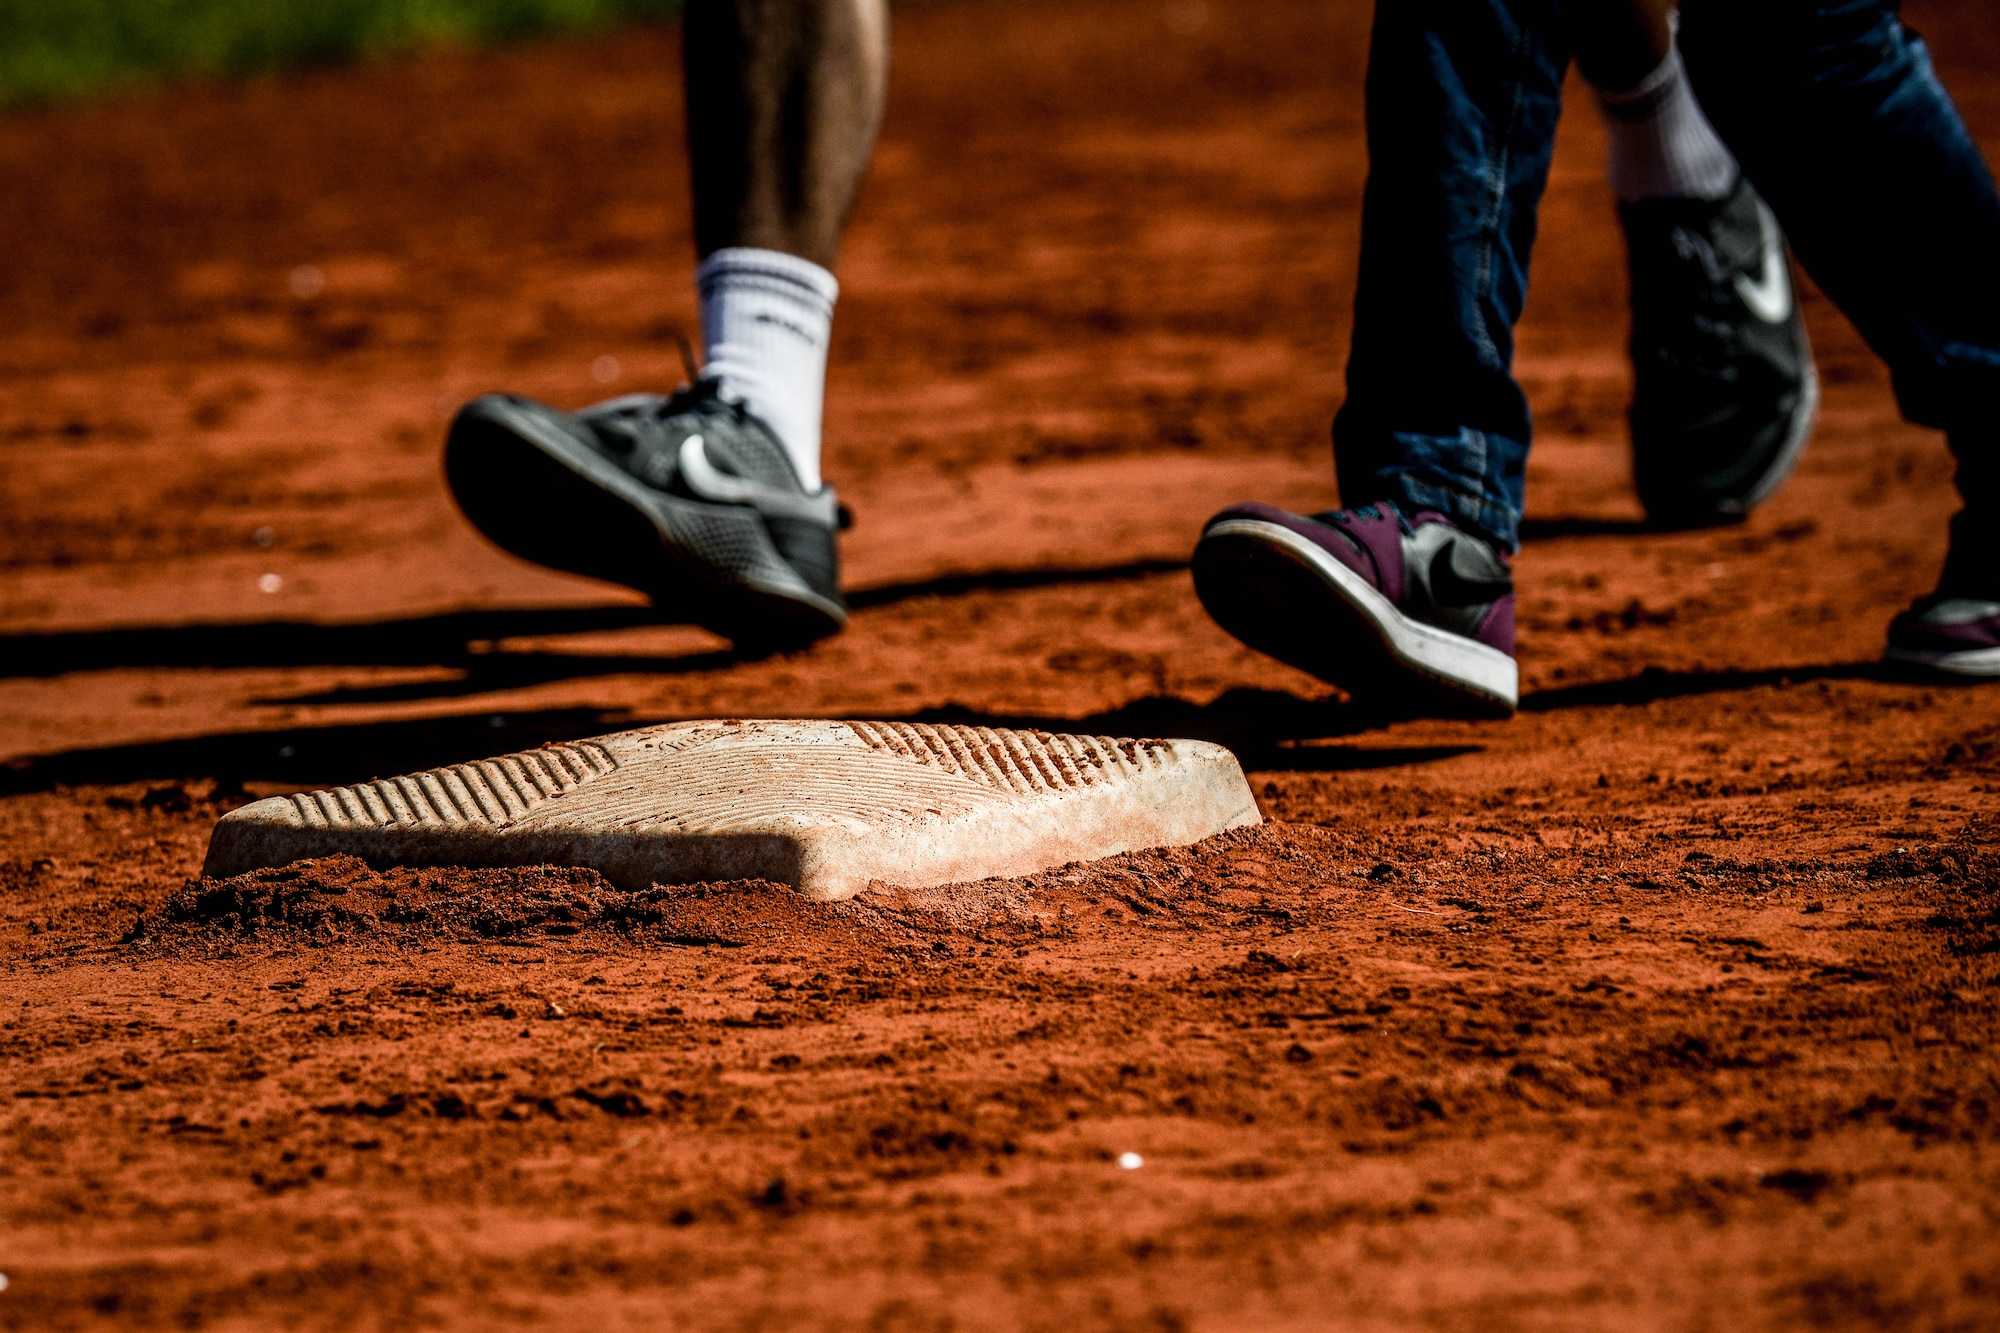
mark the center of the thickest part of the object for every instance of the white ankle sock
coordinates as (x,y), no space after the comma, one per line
(765,318)
(1662,146)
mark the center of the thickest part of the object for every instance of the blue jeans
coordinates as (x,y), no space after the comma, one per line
(1834,112)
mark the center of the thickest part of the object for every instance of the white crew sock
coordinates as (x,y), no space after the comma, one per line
(1662,146)
(765,318)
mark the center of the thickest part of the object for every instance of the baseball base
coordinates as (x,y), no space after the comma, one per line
(828,807)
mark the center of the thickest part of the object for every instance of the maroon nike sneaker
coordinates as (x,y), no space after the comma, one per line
(1952,637)
(1409,612)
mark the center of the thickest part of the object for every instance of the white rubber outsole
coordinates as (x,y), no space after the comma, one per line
(1971,664)
(1452,659)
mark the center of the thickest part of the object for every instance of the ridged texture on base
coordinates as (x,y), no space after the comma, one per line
(827,806)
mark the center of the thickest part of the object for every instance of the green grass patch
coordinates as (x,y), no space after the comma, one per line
(59,49)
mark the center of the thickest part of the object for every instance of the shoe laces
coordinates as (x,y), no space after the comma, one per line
(634,421)
(1373,510)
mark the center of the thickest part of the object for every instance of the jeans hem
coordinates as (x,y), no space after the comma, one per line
(1496,522)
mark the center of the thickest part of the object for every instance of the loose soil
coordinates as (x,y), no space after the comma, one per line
(1668,1004)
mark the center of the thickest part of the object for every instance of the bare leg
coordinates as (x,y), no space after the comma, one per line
(784,98)
(709,500)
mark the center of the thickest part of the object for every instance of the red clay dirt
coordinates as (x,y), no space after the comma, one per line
(1669,1004)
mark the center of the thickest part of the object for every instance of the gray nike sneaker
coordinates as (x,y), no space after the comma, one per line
(1724,390)
(689,499)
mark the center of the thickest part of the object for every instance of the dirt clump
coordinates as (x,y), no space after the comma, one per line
(327,897)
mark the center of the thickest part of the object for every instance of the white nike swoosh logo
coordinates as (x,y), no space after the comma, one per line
(1770,297)
(712,484)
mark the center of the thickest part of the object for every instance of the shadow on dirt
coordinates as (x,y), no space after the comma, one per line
(464,640)
(490,673)
(1656,683)
(1008,580)
(1263,728)
(1556,529)
(444,639)
(310,756)
(1346,758)
(1259,725)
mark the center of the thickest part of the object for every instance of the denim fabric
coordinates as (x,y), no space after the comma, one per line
(1463,97)
(1841,124)
(1833,110)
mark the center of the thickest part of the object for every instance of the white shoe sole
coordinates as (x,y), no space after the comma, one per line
(1461,665)
(1970,664)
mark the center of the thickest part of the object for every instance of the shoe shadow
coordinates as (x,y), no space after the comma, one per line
(1264,728)
(331,755)
(491,673)
(1553,529)
(1260,726)
(1656,683)
(1346,758)
(1009,580)
(444,639)
(457,640)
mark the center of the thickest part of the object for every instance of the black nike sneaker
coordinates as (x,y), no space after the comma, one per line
(1724,388)
(689,499)
(1409,612)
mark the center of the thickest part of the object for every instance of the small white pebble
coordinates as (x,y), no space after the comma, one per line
(3,1282)
(605,369)
(1130,1161)
(269,583)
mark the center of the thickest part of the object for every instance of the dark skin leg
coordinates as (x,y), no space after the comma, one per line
(784,98)
(1619,42)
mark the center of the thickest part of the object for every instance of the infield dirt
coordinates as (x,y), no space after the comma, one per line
(1669,1004)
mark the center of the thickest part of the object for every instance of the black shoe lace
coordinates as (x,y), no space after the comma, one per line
(626,425)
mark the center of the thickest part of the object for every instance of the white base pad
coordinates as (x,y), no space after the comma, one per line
(828,807)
